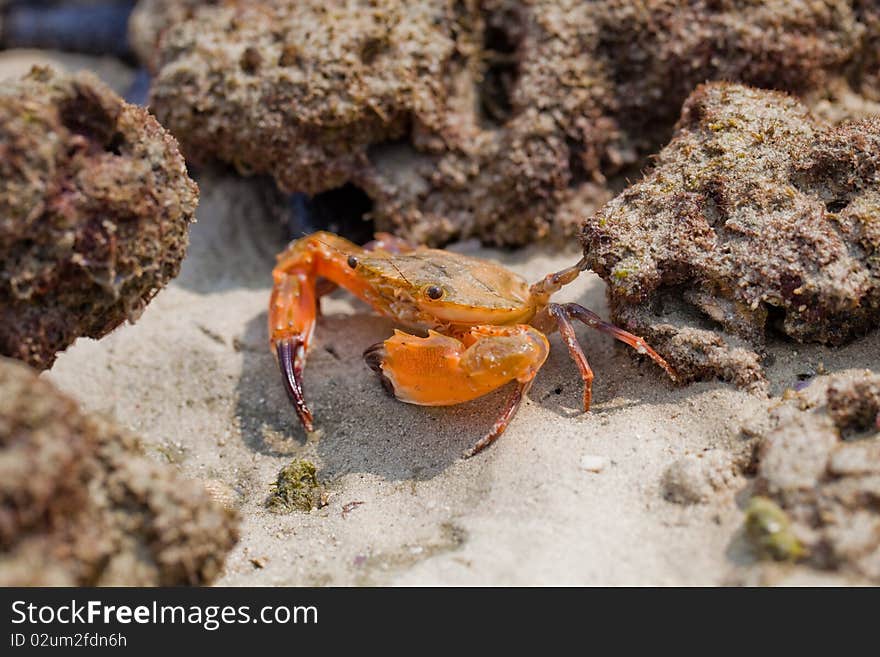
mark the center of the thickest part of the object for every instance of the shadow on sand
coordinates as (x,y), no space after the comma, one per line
(363,429)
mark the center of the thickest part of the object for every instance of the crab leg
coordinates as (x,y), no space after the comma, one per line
(293,304)
(566,330)
(440,370)
(510,409)
(564,313)
(292,309)
(552,283)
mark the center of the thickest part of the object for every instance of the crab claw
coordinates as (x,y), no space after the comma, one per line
(308,268)
(291,359)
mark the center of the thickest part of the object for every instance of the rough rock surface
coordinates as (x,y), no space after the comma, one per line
(856,406)
(756,217)
(696,478)
(151,18)
(81,505)
(867,75)
(498,119)
(824,473)
(95,204)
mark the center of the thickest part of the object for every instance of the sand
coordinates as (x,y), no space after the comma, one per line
(563,498)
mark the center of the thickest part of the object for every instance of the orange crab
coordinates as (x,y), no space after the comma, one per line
(485,325)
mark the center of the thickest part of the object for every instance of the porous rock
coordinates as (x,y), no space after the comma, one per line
(82,505)
(95,204)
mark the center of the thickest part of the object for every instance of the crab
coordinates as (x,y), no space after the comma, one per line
(483,326)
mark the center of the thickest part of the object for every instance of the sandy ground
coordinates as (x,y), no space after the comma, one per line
(195,379)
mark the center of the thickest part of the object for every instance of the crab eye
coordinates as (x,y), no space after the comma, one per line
(352,262)
(434,292)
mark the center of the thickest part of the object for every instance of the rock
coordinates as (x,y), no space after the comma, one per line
(296,489)
(755,217)
(855,406)
(95,204)
(696,478)
(498,119)
(81,505)
(828,489)
(769,528)
(794,456)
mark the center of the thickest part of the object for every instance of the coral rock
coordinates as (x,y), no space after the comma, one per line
(95,204)
(827,487)
(754,217)
(81,505)
(496,119)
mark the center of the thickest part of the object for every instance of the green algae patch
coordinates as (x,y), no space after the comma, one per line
(769,529)
(296,489)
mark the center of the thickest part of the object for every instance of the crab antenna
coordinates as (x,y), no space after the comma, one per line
(397,269)
(330,246)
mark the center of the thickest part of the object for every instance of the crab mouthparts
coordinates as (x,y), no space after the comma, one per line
(374,356)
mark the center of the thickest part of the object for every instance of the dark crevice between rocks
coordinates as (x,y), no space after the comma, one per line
(502,35)
(775,324)
(346,211)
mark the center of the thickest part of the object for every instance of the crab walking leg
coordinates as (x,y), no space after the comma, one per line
(441,371)
(292,310)
(510,409)
(552,283)
(293,304)
(566,330)
(591,319)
